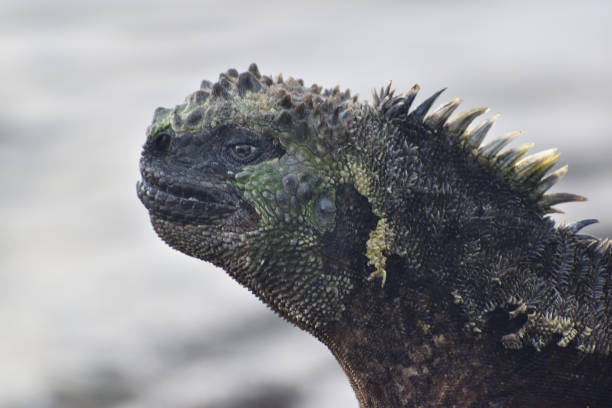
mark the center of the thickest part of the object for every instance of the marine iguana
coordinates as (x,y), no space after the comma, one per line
(424,260)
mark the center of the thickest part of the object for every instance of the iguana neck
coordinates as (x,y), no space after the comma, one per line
(408,343)
(397,351)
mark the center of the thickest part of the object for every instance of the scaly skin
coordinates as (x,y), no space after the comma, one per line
(423,260)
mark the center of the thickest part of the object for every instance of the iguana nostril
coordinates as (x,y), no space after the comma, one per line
(162,142)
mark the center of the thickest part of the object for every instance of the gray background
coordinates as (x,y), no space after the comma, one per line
(95,310)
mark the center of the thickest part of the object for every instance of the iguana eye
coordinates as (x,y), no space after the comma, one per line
(244,152)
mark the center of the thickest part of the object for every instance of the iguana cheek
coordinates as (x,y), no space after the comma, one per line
(289,194)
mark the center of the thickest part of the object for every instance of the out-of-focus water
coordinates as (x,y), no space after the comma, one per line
(95,310)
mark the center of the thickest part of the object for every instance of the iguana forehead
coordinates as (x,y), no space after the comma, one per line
(200,112)
(312,116)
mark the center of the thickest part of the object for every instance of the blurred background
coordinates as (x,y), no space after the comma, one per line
(95,310)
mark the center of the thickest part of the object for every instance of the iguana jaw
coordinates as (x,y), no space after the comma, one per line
(201,218)
(186,204)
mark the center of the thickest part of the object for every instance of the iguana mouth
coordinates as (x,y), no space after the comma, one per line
(185,203)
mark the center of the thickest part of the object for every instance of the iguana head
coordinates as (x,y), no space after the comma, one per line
(244,174)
